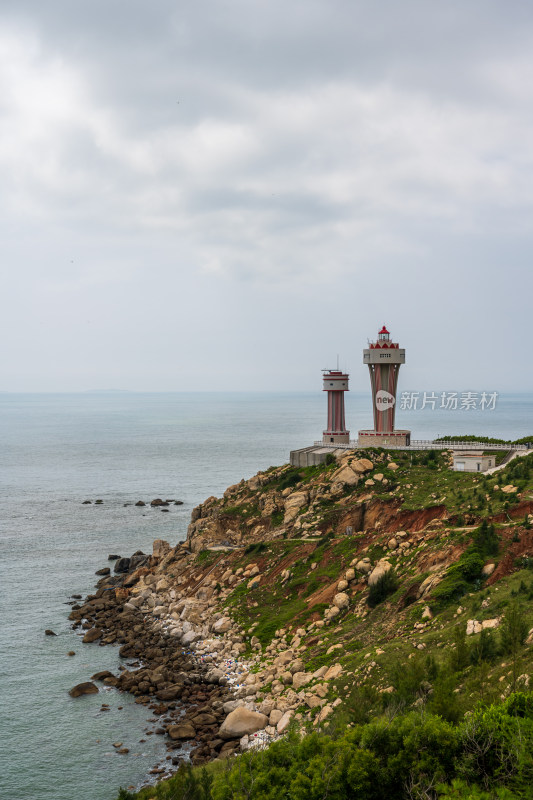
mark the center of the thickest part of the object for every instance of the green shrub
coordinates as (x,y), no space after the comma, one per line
(459,656)
(514,629)
(256,548)
(384,586)
(486,539)
(484,649)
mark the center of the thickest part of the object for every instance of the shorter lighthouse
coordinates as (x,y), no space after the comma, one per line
(335,384)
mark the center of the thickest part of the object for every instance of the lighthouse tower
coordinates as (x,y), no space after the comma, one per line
(335,384)
(384,358)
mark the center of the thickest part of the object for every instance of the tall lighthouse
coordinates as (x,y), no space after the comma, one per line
(335,384)
(384,358)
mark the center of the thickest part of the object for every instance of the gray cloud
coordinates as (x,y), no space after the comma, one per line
(187,186)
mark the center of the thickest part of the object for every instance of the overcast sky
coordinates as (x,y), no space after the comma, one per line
(215,195)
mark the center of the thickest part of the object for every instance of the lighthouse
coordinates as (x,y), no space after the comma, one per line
(335,384)
(384,358)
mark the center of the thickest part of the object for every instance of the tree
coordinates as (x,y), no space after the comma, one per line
(512,637)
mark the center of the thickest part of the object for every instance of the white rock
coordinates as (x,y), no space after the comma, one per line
(284,722)
(341,600)
(473,626)
(240,722)
(222,625)
(189,638)
(275,716)
(300,679)
(333,672)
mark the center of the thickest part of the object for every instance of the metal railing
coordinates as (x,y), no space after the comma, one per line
(424,444)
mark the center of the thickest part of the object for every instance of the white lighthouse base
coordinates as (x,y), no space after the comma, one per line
(385,439)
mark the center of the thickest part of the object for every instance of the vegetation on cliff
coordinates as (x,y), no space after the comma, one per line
(383,605)
(414,754)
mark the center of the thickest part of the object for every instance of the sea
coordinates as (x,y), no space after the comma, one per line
(58,450)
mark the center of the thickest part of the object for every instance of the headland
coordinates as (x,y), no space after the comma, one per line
(318,598)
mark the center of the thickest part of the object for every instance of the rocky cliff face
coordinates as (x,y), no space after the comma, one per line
(353,492)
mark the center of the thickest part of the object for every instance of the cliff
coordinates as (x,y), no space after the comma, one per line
(321,596)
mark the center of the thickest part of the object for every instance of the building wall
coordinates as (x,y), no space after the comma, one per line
(374,439)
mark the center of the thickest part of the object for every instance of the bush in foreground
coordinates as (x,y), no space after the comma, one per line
(489,756)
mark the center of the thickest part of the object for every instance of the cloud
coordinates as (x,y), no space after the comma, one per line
(310,152)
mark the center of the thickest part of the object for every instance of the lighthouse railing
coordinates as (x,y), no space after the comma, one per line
(425,444)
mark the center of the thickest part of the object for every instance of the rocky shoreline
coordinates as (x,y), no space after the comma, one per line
(187,696)
(182,659)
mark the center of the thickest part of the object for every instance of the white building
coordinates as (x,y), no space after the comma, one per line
(472,461)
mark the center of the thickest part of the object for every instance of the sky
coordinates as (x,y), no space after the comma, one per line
(229,195)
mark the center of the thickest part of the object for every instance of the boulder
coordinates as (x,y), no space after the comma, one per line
(487,570)
(362,465)
(378,572)
(49,632)
(92,635)
(300,679)
(222,625)
(490,623)
(100,676)
(190,637)
(140,503)
(240,722)
(184,730)
(275,716)
(333,672)
(364,566)
(293,503)
(170,693)
(122,565)
(341,600)
(83,688)
(160,548)
(473,626)
(284,722)
(342,585)
(204,719)
(345,475)
(428,584)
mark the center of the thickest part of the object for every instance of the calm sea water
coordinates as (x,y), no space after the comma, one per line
(58,450)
